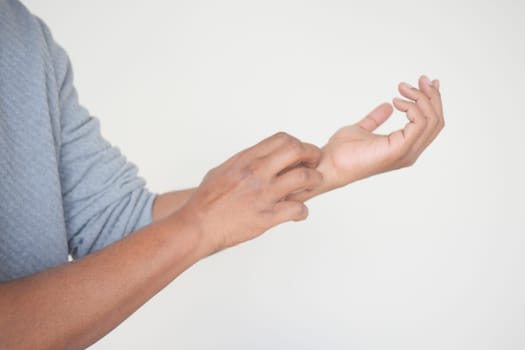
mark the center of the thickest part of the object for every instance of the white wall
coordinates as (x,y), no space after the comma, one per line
(429,257)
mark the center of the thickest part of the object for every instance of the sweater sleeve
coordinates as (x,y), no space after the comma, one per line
(104,199)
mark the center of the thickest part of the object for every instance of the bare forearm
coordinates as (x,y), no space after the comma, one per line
(74,305)
(168,203)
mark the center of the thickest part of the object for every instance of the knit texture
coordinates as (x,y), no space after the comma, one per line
(64,190)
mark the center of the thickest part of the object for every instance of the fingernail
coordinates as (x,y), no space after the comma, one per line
(427,80)
(436,83)
(408,86)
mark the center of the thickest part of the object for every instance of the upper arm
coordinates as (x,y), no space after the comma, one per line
(104,199)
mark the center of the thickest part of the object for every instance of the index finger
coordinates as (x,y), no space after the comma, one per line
(290,155)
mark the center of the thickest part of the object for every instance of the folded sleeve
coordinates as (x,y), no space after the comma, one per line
(104,199)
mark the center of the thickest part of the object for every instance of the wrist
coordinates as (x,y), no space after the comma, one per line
(189,223)
(183,234)
(327,169)
(168,203)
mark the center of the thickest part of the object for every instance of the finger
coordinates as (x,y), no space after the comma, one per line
(423,100)
(405,138)
(438,102)
(410,92)
(290,155)
(301,196)
(421,96)
(289,211)
(376,117)
(297,180)
(269,144)
(426,91)
(435,121)
(432,93)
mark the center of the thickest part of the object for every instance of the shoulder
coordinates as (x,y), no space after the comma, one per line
(16,20)
(20,29)
(22,37)
(27,43)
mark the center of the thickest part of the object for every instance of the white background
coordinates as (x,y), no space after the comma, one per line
(429,257)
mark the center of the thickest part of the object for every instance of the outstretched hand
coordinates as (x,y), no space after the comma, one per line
(355,152)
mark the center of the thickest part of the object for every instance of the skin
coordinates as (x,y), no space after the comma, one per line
(73,305)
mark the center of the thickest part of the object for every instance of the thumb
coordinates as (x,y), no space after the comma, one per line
(377,117)
(289,210)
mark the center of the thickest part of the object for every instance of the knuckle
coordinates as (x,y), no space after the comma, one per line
(439,125)
(281,136)
(304,212)
(242,158)
(433,123)
(433,93)
(421,119)
(433,98)
(316,152)
(211,173)
(413,108)
(301,212)
(418,95)
(295,146)
(409,160)
(303,175)
(423,101)
(402,163)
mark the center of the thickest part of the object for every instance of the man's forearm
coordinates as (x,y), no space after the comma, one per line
(74,305)
(168,203)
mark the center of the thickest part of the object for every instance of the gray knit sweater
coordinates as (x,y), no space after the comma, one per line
(64,190)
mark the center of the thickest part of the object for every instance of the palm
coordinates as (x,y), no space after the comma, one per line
(354,153)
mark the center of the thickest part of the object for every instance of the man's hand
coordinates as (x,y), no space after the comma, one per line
(354,152)
(247,194)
